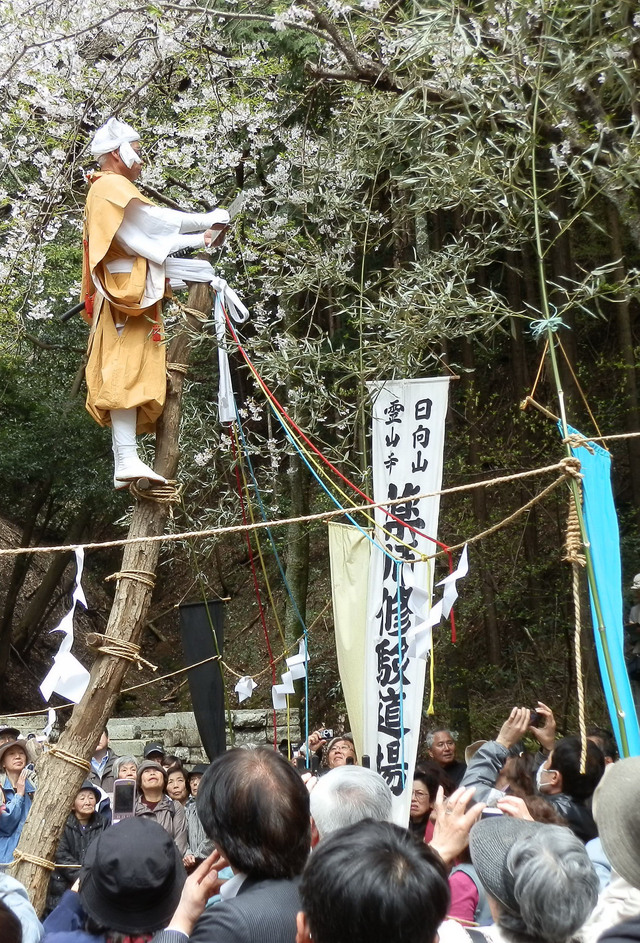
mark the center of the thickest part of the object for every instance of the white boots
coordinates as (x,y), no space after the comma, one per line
(128,467)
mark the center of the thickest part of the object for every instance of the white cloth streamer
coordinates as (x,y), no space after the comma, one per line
(68,677)
(450,593)
(181,271)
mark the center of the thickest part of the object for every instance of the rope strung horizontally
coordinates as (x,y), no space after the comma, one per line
(575,556)
(70,757)
(147,577)
(179,671)
(118,648)
(570,468)
(282,522)
(179,367)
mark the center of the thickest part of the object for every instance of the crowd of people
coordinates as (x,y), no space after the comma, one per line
(509,845)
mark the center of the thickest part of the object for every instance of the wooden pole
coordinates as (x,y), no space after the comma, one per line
(58,778)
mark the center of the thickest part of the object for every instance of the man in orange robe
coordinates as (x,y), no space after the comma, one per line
(127,241)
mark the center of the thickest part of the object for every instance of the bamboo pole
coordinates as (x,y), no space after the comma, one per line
(59,778)
(575,491)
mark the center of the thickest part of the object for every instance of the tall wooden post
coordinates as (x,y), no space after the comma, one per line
(58,778)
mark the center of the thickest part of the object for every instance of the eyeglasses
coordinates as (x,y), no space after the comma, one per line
(417,794)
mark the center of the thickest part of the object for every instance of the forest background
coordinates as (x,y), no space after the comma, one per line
(424,184)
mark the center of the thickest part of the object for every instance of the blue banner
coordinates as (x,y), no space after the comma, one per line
(603,535)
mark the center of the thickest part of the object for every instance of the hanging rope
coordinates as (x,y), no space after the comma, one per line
(580,390)
(240,453)
(280,409)
(575,556)
(237,429)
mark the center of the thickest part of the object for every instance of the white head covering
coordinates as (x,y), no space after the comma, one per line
(116,135)
(636,582)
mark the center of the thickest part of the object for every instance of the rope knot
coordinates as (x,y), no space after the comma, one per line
(573,539)
(575,441)
(118,648)
(570,467)
(168,493)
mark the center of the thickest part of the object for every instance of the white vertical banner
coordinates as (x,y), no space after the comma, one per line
(408,442)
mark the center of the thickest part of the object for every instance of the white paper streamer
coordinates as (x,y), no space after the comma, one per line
(51,719)
(279,700)
(297,664)
(67,677)
(450,593)
(244,688)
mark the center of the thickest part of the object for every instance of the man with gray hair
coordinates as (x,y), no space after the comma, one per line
(441,744)
(347,795)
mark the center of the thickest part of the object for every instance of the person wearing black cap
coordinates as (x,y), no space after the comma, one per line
(8,733)
(154,751)
(81,828)
(152,803)
(130,885)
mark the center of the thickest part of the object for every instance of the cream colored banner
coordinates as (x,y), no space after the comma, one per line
(349,552)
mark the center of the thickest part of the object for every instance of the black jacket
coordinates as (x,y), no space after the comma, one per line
(264,911)
(577,815)
(72,848)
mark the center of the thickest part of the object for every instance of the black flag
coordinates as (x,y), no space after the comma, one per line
(205,681)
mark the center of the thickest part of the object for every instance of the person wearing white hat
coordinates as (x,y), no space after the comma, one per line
(127,241)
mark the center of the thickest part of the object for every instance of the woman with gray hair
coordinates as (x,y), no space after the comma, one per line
(125,767)
(540,881)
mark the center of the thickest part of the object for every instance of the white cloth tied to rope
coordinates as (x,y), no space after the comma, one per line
(180,271)
(68,677)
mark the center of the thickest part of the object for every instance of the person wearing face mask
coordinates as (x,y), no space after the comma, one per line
(562,784)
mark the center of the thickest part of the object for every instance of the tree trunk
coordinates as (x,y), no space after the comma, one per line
(35,611)
(479,498)
(18,574)
(59,779)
